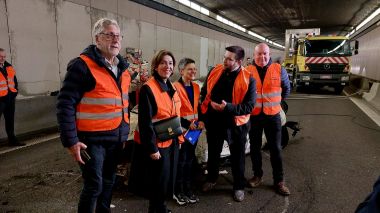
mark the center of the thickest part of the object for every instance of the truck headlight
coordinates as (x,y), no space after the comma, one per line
(306,78)
(345,78)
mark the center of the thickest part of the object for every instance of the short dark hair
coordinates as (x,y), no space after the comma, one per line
(183,62)
(239,52)
(158,57)
(2,50)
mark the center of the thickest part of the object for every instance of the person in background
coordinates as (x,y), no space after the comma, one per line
(8,93)
(188,92)
(159,100)
(92,112)
(227,96)
(273,86)
(249,62)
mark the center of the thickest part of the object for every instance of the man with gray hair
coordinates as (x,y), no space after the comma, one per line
(92,112)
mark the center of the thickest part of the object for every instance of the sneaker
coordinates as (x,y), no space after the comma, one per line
(192,197)
(239,195)
(282,189)
(181,199)
(208,186)
(255,181)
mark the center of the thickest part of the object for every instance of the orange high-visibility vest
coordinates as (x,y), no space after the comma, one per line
(7,83)
(239,90)
(104,107)
(166,107)
(188,112)
(268,92)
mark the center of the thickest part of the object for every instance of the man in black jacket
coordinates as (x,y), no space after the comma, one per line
(92,112)
(8,93)
(228,96)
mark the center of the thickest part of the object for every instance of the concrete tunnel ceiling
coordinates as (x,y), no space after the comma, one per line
(270,18)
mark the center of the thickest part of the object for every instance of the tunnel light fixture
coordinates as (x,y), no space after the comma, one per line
(185,2)
(350,33)
(368,19)
(230,23)
(205,11)
(256,35)
(194,6)
(278,45)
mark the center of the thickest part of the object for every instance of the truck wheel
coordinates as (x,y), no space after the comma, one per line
(298,88)
(338,89)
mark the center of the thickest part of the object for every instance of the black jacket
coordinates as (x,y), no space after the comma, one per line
(10,93)
(79,80)
(147,109)
(223,91)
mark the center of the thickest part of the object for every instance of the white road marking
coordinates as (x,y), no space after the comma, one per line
(31,142)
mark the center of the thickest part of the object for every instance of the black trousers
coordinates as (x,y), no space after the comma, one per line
(185,162)
(7,107)
(236,138)
(162,173)
(272,129)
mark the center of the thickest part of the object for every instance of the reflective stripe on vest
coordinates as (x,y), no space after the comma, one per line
(239,90)
(188,112)
(7,83)
(268,92)
(104,107)
(166,107)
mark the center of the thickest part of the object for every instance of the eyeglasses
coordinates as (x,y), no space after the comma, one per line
(110,36)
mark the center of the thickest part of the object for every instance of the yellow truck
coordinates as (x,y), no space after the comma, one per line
(315,60)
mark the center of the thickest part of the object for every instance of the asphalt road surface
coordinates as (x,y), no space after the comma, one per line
(330,166)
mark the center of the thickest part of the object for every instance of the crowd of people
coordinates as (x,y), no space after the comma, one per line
(234,101)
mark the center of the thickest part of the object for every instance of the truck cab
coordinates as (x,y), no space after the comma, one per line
(323,60)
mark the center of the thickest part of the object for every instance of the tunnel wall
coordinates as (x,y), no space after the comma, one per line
(41,36)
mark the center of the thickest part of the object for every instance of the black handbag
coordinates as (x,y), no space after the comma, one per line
(168,128)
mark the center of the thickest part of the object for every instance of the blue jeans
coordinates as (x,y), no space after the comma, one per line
(98,177)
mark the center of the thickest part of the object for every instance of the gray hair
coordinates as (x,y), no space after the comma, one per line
(101,24)
(183,62)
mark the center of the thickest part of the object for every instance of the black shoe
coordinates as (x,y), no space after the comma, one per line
(192,197)
(16,143)
(181,199)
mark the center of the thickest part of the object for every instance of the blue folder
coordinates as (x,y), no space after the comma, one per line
(193,135)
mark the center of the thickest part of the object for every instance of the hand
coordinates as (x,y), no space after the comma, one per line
(155,156)
(75,151)
(218,107)
(201,125)
(192,126)
(215,106)
(223,104)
